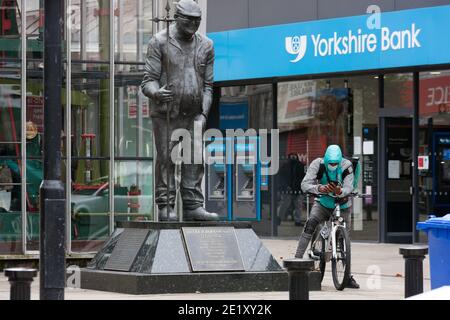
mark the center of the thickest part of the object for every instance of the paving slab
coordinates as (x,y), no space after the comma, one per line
(378,268)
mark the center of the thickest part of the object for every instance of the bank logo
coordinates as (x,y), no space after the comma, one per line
(296,45)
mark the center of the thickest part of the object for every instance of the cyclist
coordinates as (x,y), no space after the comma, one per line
(326,176)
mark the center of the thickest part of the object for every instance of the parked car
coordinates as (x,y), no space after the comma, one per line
(90,206)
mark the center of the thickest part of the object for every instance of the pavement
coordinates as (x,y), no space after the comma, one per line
(378,268)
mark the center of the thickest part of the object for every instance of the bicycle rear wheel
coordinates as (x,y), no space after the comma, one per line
(318,249)
(341,264)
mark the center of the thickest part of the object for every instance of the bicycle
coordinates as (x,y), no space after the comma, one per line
(332,242)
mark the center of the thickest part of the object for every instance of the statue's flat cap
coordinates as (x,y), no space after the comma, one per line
(188,8)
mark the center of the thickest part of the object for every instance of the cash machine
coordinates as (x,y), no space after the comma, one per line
(216,182)
(233,178)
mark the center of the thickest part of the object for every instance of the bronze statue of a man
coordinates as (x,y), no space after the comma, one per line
(188,91)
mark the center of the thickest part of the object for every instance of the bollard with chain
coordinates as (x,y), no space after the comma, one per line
(413,256)
(298,272)
(20,280)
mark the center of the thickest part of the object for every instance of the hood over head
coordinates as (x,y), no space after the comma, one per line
(333,154)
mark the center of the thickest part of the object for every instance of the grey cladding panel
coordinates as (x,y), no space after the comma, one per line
(270,12)
(344,8)
(226,15)
(410,4)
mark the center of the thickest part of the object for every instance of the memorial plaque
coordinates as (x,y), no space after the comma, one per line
(126,249)
(213,249)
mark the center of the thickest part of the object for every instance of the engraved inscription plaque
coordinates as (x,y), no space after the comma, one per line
(126,249)
(213,249)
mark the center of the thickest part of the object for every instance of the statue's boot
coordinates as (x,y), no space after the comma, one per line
(199,214)
(162,214)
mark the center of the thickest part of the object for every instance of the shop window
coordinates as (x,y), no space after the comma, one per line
(313,114)
(133,29)
(398,90)
(434,145)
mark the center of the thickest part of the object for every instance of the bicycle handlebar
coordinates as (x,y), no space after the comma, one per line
(353,194)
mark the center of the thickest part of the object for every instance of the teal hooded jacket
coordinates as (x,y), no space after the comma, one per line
(310,183)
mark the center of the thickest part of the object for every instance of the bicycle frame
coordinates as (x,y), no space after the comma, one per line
(330,237)
(335,221)
(335,225)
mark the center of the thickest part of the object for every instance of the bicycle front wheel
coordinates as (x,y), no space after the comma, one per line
(340,264)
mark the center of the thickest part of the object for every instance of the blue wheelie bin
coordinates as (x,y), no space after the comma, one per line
(438,230)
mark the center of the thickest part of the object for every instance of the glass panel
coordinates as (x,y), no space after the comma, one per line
(240,107)
(312,115)
(133,128)
(10,110)
(133,197)
(90,111)
(10,30)
(398,90)
(10,207)
(34,138)
(434,145)
(90,205)
(90,30)
(363,113)
(10,128)
(35,30)
(35,118)
(34,179)
(253,103)
(133,29)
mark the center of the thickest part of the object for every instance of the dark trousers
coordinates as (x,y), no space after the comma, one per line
(191,174)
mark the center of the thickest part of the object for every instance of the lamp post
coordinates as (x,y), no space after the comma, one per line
(52,261)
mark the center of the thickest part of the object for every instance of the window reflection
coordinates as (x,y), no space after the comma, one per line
(89,205)
(90,118)
(398,90)
(90,111)
(434,145)
(133,29)
(135,199)
(312,114)
(10,129)
(90,29)
(133,132)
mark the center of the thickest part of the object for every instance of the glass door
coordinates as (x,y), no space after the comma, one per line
(398,160)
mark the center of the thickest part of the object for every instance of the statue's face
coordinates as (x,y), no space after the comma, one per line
(188,25)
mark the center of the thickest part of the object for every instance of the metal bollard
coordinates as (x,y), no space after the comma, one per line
(20,280)
(298,270)
(413,256)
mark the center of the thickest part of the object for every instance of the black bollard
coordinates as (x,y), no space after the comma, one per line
(20,280)
(298,272)
(413,256)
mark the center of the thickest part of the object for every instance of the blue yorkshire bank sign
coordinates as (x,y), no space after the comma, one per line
(403,38)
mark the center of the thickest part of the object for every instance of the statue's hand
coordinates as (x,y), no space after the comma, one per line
(201,119)
(163,95)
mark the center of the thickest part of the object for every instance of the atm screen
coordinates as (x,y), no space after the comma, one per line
(446,154)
